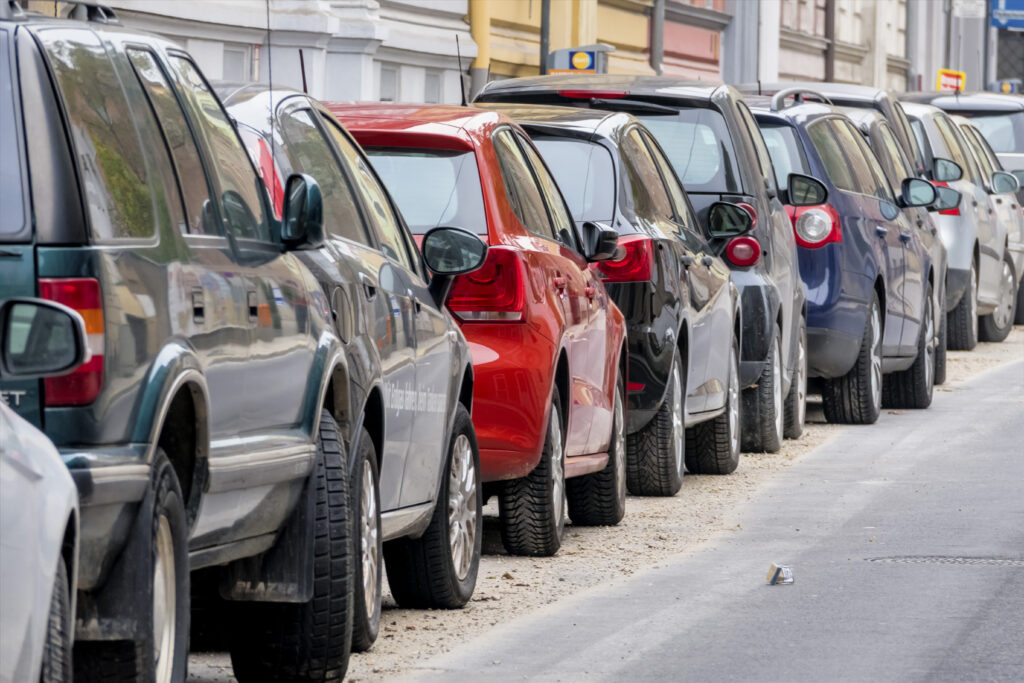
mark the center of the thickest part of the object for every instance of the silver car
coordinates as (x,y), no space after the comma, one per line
(38,501)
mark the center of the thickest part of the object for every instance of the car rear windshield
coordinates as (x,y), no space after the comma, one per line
(785,150)
(585,173)
(432,187)
(12,194)
(1004,132)
(698,144)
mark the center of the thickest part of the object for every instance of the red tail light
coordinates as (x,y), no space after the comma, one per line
(588,94)
(82,386)
(815,226)
(743,251)
(636,264)
(496,292)
(955,211)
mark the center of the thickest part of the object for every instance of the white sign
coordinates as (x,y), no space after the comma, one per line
(969,9)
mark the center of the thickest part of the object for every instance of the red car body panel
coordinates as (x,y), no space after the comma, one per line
(515,363)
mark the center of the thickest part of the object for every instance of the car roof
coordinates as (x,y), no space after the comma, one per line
(864,118)
(918,110)
(464,124)
(798,112)
(834,91)
(648,86)
(537,117)
(968,101)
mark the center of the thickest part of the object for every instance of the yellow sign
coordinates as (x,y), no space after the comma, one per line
(582,61)
(949,79)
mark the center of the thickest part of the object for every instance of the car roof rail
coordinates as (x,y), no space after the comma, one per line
(10,9)
(779,98)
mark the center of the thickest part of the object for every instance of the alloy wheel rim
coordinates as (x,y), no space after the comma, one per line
(369,540)
(164,602)
(973,302)
(801,368)
(462,506)
(777,389)
(557,470)
(876,356)
(678,425)
(619,437)
(734,405)
(1001,316)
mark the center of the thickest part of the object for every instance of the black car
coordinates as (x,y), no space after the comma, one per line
(415,466)
(716,149)
(680,308)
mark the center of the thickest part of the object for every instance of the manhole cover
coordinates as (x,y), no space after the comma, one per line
(945,559)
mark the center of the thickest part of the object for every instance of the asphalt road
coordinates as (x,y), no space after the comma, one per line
(907,546)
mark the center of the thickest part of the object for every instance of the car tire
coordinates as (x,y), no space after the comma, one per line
(940,349)
(913,387)
(599,498)
(654,454)
(163,656)
(1018,318)
(532,509)
(307,641)
(713,447)
(962,321)
(796,400)
(856,397)
(439,569)
(762,416)
(368,558)
(996,326)
(56,665)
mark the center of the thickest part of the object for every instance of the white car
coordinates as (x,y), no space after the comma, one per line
(38,501)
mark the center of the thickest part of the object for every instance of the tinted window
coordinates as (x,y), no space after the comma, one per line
(433,187)
(241,205)
(520,186)
(891,157)
(915,146)
(1005,132)
(12,194)
(848,161)
(984,149)
(764,161)
(557,209)
(979,152)
(698,144)
(955,145)
(919,136)
(683,210)
(785,150)
(650,199)
(585,173)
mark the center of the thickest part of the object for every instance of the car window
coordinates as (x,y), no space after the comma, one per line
(191,177)
(785,150)
(914,153)
(891,157)
(764,160)
(649,196)
(922,139)
(242,208)
(558,211)
(1005,132)
(683,211)
(978,148)
(585,173)
(698,143)
(955,146)
(520,187)
(12,191)
(986,149)
(850,165)
(310,153)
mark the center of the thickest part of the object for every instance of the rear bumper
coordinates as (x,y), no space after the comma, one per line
(830,353)
(758,300)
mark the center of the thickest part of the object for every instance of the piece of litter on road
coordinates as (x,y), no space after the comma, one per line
(779,574)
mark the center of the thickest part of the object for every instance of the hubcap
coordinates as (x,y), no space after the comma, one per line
(734,405)
(557,470)
(777,388)
(462,506)
(1001,316)
(677,418)
(876,356)
(369,536)
(619,445)
(164,602)
(801,368)
(972,303)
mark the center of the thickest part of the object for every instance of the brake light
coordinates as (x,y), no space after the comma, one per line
(815,226)
(743,251)
(636,263)
(752,211)
(955,211)
(495,292)
(591,94)
(82,386)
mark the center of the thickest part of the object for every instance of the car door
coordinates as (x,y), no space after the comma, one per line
(1007,205)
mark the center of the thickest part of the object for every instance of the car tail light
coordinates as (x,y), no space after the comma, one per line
(636,263)
(815,226)
(494,293)
(743,251)
(752,211)
(955,211)
(593,94)
(82,386)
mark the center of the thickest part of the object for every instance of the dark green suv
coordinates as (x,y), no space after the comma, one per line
(202,432)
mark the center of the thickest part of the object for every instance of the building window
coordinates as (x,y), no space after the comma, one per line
(237,66)
(388,83)
(432,88)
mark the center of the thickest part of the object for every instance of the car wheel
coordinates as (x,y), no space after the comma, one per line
(963,320)
(599,499)
(162,657)
(761,422)
(713,447)
(56,666)
(532,509)
(307,641)
(439,568)
(364,496)
(940,349)
(913,387)
(796,399)
(856,397)
(995,327)
(654,454)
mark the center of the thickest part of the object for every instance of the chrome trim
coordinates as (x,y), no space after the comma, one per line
(271,464)
(407,521)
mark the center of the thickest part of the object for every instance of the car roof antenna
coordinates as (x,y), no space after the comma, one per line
(462,76)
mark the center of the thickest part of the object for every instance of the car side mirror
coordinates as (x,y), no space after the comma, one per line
(917,192)
(600,241)
(803,190)
(727,220)
(302,222)
(948,199)
(1019,175)
(40,339)
(1003,183)
(944,170)
(449,252)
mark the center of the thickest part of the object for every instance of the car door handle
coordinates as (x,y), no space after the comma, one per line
(417,304)
(198,305)
(687,260)
(906,237)
(974,202)
(369,289)
(999,200)
(881,231)
(254,309)
(707,261)
(559,282)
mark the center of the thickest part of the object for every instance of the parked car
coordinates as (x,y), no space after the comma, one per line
(39,549)
(415,482)
(896,166)
(199,434)
(548,344)
(715,148)
(869,279)
(975,239)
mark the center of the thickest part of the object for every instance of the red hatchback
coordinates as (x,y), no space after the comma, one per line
(547,341)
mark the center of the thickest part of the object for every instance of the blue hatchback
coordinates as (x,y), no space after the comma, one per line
(867,273)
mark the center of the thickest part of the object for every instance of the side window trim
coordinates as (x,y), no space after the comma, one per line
(653,150)
(519,138)
(518,210)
